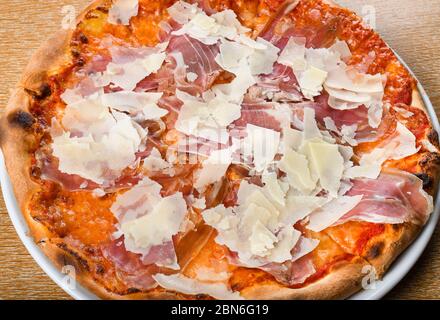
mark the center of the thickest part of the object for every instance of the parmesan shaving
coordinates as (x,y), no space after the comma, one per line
(122,11)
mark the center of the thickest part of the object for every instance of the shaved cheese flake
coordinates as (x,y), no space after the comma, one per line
(296,166)
(291,139)
(401,145)
(293,54)
(370,171)
(299,207)
(332,212)
(182,12)
(146,220)
(135,102)
(261,60)
(128,75)
(180,283)
(208,29)
(122,11)
(191,76)
(311,129)
(206,119)
(328,164)
(311,82)
(429,146)
(256,227)
(213,168)
(231,54)
(154,162)
(273,187)
(261,144)
(157,226)
(100,159)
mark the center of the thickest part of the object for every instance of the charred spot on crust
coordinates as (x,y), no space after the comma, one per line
(21,118)
(75,53)
(80,62)
(429,159)
(375,251)
(83,38)
(433,137)
(100,269)
(41,93)
(133,290)
(427,180)
(71,257)
(102,9)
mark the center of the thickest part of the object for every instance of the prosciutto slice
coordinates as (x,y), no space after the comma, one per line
(129,267)
(394,197)
(280,85)
(195,58)
(262,114)
(358,117)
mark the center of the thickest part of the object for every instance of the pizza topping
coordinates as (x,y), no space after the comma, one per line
(206,29)
(193,57)
(154,162)
(180,283)
(206,118)
(213,168)
(394,197)
(315,160)
(261,146)
(149,221)
(255,228)
(104,152)
(130,65)
(130,268)
(142,104)
(401,145)
(122,10)
(347,87)
(331,212)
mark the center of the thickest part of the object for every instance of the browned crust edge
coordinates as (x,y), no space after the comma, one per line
(344,280)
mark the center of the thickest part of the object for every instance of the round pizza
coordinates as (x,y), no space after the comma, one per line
(217,149)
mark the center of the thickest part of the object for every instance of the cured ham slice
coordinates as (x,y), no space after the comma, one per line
(264,114)
(193,57)
(394,197)
(357,117)
(130,269)
(292,273)
(280,85)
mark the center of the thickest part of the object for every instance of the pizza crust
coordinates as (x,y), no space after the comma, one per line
(16,141)
(344,280)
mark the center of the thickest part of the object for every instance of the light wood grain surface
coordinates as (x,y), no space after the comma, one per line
(411,27)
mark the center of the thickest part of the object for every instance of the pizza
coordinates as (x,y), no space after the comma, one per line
(216,149)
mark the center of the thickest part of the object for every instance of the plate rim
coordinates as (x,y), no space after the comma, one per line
(398,270)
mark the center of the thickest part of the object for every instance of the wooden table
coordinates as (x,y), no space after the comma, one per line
(411,27)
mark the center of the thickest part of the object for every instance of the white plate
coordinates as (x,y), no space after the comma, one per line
(397,271)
